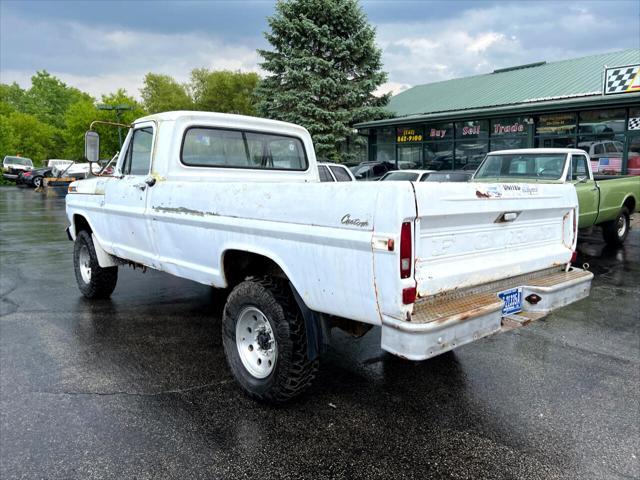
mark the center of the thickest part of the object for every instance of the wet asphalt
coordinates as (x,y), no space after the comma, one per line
(137,386)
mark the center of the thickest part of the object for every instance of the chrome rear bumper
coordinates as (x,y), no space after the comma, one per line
(443,323)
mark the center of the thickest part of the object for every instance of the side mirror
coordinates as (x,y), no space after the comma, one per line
(92,146)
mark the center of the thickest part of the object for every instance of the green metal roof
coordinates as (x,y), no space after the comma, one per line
(538,83)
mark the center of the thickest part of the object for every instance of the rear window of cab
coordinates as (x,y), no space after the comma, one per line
(214,147)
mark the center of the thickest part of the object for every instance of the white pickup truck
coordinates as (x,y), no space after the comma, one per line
(236,202)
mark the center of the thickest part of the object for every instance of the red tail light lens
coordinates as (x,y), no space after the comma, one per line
(409,295)
(405,250)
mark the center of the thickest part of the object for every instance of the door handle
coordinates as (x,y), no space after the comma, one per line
(141,186)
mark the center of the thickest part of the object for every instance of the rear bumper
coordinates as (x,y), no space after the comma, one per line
(440,325)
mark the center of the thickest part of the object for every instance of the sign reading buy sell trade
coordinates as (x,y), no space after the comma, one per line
(622,79)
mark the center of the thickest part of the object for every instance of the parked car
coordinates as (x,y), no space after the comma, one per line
(334,172)
(450,176)
(410,175)
(75,170)
(435,266)
(34,178)
(605,200)
(12,166)
(59,163)
(372,170)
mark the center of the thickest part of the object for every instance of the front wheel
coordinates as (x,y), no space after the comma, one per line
(265,340)
(93,280)
(37,182)
(615,232)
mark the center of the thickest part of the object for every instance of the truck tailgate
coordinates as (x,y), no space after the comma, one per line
(469,234)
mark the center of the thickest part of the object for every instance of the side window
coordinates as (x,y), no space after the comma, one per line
(206,147)
(611,148)
(325,176)
(138,160)
(211,147)
(579,167)
(598,149)
(340,174)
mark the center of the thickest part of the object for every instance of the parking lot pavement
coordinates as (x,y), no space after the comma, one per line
(137,386)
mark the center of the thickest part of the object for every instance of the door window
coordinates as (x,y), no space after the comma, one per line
(341,174)
(579,167)
(138,158)
(325,176)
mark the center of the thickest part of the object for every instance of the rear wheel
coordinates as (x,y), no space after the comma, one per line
(265,340)
(93,280)
(615,232)
(37,182)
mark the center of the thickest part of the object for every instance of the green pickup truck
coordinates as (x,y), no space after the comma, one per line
(607,200)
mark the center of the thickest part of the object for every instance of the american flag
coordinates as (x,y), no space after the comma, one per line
(610,164)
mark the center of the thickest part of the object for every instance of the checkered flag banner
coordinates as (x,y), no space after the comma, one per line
(622,79)
(634,123)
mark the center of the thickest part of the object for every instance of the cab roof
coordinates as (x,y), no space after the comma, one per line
(217,117)
(516,151)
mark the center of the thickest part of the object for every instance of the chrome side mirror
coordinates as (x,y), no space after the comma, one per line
(92,146)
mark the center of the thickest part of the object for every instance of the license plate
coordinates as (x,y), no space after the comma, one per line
(512,300)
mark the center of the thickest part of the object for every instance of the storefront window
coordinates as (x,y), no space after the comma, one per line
(555,142)
(472,129)
(409,156)
(385,135)
(438,131)
(556,124)
(510,132)
(602,122)
(384,153)
(438,156)
(469,154)
(409,134)
(509,127)
(509,143)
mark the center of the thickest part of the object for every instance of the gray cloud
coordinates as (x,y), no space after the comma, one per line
(99,46)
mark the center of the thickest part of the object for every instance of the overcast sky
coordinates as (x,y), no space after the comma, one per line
(99,46)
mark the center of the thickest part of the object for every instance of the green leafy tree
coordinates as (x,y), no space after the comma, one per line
(224,91)
(49,98)
(324,68)
(12,97)
(7,136)
(161,93)
(79,116)
(30,137)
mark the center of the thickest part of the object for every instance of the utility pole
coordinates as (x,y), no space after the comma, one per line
(118,109)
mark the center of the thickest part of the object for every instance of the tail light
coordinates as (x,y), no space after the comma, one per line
(405,250)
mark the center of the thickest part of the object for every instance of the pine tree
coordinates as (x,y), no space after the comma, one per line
(324,68)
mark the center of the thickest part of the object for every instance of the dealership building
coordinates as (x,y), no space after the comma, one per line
(592,103)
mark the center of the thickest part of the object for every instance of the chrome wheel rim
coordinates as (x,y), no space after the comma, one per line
(622,226)
(84,260)
(256,342)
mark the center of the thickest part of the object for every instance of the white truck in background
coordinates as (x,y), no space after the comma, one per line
(236,202)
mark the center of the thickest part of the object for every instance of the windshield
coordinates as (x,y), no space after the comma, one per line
(523,165)
(448,177)
(395,176)
(18,161)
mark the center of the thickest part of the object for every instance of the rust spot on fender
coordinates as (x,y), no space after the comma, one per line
(480,194)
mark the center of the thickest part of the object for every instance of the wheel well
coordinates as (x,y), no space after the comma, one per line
(80,223)
(630,203)
(239,264)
